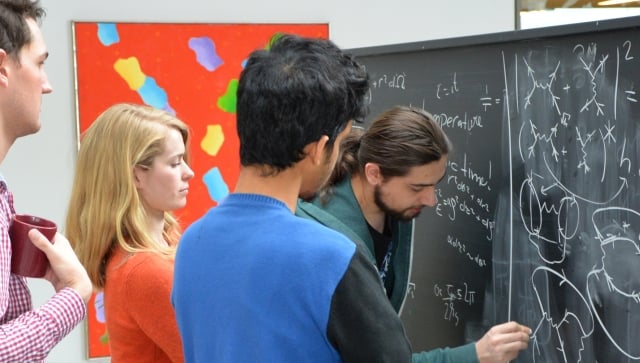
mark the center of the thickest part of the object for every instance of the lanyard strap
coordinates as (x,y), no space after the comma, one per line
(386,261)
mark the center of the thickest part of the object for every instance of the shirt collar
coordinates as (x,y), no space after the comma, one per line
(3,183)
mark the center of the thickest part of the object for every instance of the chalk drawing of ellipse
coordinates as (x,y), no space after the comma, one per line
(530,205)
(568,217)
(621,265)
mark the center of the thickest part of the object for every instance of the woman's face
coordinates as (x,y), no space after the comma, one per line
(165,184)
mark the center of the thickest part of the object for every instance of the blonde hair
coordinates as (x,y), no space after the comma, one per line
(105,209)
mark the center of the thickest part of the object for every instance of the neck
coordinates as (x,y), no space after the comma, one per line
(156,227)
(364,193)
(284,186)
(5,145)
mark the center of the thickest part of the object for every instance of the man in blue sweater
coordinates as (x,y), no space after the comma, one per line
(255,283)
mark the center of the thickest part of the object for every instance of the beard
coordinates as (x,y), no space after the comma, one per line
(403,215)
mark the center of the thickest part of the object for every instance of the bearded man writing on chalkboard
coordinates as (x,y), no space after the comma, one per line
(383,179)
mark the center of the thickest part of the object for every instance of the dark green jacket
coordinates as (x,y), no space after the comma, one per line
(342,213)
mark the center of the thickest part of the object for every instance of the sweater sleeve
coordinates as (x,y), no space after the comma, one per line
(363,327)
(148,291)
(462,354)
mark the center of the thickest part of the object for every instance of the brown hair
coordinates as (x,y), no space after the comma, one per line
(399,139)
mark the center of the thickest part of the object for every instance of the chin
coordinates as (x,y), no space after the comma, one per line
(31,130)
(307,196)
(406,216)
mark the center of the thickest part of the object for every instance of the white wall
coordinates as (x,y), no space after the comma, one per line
(39,168)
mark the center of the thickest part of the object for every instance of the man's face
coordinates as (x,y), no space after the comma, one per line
(323,172)
(26,83)
(403,197)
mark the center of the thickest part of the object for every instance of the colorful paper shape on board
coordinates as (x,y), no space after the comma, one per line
(190,70)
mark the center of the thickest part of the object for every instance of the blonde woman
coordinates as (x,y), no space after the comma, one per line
(130,174)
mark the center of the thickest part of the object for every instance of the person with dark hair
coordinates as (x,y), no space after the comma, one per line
(385,175)
(255,283)
(27,334)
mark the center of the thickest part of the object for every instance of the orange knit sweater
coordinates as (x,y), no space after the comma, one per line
(139,316)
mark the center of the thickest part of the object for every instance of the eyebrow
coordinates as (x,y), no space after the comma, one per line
(422,185)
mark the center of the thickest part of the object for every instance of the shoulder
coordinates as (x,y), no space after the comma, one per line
(313,212)
(139,269)
(319,232)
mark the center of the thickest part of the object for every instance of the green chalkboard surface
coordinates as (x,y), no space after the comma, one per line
(538,217)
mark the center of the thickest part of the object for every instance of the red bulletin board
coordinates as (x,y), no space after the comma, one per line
(190,70)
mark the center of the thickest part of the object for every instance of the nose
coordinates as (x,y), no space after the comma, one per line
(46,86)
(428,198)
(188,172)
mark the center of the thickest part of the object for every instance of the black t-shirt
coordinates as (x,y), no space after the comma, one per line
(384,249)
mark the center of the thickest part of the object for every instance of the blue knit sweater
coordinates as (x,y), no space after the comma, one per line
(255,283)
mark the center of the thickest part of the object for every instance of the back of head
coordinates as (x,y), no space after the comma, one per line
(105,208)
(14,31)
(397,140)
(291,94)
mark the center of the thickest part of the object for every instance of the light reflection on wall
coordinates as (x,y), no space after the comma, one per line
(560,16)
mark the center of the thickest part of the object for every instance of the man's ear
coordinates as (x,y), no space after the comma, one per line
(4,68)
(316,150)
(372,173)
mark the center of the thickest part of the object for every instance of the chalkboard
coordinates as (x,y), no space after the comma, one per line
(538,217)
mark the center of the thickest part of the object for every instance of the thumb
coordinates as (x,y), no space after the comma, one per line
(40,241)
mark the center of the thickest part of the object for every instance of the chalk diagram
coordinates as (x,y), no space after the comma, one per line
(618,273)
(580,165)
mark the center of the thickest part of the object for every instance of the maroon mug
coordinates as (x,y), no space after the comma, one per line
(26,259)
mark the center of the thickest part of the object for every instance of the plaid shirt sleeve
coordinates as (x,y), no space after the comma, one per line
(28,335)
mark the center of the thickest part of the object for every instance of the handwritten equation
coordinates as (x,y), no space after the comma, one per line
(538,214)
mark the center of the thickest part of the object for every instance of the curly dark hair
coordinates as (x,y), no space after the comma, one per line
(292,94)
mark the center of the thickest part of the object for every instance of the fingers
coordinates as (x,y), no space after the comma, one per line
(511,327)
(503,342)
(511,332)
(511,348)
(65,269)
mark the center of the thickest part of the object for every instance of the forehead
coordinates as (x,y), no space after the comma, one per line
(427,174)
(173,141)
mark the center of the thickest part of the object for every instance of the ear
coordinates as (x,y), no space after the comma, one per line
(138,176)
(4,68)
(372,173)
(316,150)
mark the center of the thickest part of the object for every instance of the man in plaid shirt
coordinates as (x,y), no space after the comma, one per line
(27,334)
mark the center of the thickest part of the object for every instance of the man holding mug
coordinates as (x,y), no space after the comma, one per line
(27,334)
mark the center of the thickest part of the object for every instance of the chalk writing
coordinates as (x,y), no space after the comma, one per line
(537,218)
(450,295)
(554,205)
(461,247)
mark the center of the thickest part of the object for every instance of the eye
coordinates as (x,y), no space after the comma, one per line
(176,163)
